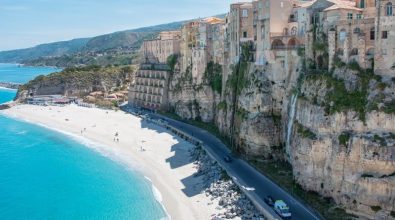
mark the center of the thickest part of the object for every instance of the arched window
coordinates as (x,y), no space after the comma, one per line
(278,44)
(292,43)
(294,31)
(357,30)
(370,53)
(388,9)
(354,52)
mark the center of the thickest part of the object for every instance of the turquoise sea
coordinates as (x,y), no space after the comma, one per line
(45,174)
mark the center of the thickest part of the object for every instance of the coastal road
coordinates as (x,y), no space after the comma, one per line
(255,183)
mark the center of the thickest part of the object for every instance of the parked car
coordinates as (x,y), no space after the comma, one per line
(269,201)
(227,159)
(282,209)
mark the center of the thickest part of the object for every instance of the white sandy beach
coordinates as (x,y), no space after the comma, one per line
(165,160)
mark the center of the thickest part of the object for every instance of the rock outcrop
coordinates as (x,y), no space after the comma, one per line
(220,187)
(345,149)
(79,82)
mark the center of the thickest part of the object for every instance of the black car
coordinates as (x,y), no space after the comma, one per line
(269,201)
(227,159)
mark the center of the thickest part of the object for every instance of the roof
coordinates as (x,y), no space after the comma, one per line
(342,6)
(337,4)
(305,4)
(213,20)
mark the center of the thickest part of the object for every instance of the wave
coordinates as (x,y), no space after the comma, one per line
(159,198)
(5,88)
(100,148)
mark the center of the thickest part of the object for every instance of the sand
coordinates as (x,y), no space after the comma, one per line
(164,160)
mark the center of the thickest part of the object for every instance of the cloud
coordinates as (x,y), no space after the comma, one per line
(14,8)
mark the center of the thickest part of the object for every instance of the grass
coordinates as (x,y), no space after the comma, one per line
(305,132)
(213,75)
(390,108)
(281,173)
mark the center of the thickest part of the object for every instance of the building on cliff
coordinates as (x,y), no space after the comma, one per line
(158,50)
(150,86)
(385,38)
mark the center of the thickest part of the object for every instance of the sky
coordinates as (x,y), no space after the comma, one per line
(26,23)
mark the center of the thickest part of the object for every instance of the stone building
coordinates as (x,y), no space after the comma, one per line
(158,50)
(385,38)
(277,30)
(202,42)
(150,89)
(239,28)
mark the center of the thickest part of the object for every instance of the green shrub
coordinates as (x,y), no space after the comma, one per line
(390,107)
(171,61)
(354,66)
(222,105)
(375,208)
(379,140)
(213,75)
(305,132)
(344,138)
(381,86)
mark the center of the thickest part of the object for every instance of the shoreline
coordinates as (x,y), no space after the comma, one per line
(10,89)
(168,184)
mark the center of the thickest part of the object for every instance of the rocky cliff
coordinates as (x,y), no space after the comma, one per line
(343,139)
(80,81)
(336,129)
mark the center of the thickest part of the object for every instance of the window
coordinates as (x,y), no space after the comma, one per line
(245,13)
(349,16)
(357,30)
(384,34)
(342,35)
(388,9)
(362,4)
(282,63)
(245,34)
(372,34)
(359,16)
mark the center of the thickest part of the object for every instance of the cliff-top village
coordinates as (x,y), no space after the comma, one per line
(353,30)
(276,107)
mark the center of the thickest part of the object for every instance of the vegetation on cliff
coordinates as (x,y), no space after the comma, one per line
(94,84)
(213,76)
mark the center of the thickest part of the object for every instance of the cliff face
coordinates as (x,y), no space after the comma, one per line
(79,81)
(192,100)
(336,129)
(343,140)
(254,104)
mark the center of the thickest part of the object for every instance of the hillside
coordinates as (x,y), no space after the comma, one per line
(59,52)
(51,49)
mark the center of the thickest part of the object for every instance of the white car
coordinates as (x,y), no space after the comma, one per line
(282,209)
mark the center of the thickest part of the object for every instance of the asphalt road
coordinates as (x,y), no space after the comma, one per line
(254,182)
